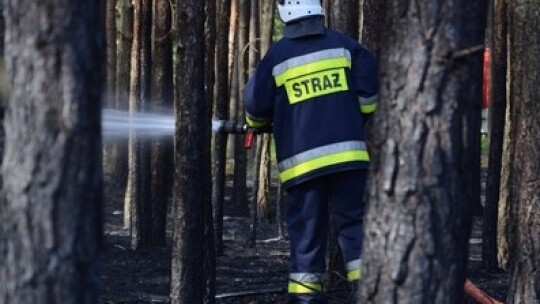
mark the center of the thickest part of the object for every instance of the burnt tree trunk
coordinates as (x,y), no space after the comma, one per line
(253,51)
(221,112)
(509,141)
(119,154)
(188,279)
(210,76)
(233,71)
(370,29)
(123,48)
(110,34)
(132,189)
(418,218)
(109,14)
(263,157)
(524,221)
(162,100)
(138,191)
(497,112)
(51,198)
(240,155)
(3,85)
(342,15)
(267,10)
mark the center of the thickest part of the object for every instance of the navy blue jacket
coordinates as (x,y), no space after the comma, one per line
(316,89)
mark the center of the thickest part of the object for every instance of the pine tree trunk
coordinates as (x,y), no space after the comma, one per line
(124,40)
(3,85)
(132,189)
(188,279)
(109,14)
(267,24)
(267,8)
(138,195)
(524,221)
(210,76)
(263,195)
(418,220)
(503,217)
(51,200)
(221,113)
(110,34)
(162,99)
(372,18)
(253,51)
(233,69)
(240,155)
(496,133)
(342,15)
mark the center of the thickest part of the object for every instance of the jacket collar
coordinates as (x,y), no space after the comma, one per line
(304,27)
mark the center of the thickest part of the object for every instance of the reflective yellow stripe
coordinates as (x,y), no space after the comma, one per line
(310,68)
(354,275)
(316,84)
(323,161)
(256,123)
(366,109)
(304,287)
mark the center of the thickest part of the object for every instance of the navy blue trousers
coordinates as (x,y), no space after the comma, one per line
(308,205)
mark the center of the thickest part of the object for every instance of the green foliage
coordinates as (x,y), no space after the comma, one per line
(278,27)
(484,151)
(484,145)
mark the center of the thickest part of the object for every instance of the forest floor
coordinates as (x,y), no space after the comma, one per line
(244,275)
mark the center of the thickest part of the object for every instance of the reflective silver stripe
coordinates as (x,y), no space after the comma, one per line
(354,265)
(306,277)
(309,58)
(303,157)
(368,100)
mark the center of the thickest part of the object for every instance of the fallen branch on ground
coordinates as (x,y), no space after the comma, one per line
(250,293)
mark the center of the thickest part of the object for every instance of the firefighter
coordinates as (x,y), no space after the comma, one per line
(317,88)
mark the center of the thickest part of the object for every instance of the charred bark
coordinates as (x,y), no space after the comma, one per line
(210,76)
(497,112)
(138,191)
(240,156)
(110,34)
(342,15)
(524,222)
(221,112)
(188,279)
(119,154)
(372,20)
(162,100)
(253,50)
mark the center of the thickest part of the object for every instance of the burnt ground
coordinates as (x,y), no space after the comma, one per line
(244,275)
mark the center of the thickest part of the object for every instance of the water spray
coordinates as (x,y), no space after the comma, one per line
(118,124)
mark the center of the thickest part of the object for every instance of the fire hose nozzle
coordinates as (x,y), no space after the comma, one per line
(233,127)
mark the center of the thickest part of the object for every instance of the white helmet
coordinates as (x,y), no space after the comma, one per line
(290,10)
